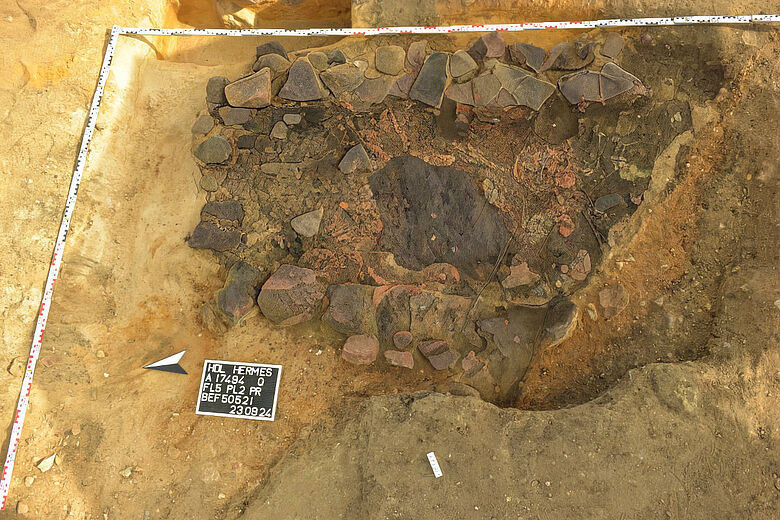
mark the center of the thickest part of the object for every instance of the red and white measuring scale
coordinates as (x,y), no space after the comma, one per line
(116,31)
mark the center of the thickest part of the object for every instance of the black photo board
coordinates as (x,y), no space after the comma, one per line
(242,390)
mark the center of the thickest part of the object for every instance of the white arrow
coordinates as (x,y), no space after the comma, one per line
(169,364)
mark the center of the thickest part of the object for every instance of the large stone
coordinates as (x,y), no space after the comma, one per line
(215,90)
(415,55)
(302,83)
(533,93)
(272,47)
(462,66)
(485,89)
(234,116)
(253,91)
(360,349)
(375,90)
(399,358)
(581,86)
(308,224)
(389,59)
(275,62)
(509,76)
(336,56)
(279,131)
(246,141)
(291,295)
(430,83)
(214,150)
(615,81)
(237,296)
(436,315)
(435,214)
(203,125)
(461,93)
(208,235)
(571,55)
(350,309)
(526,54)
(402,86)
(438,353)
(342,78)
(224,210)
(612,45)
(356,159)
(318,60)
(559,322)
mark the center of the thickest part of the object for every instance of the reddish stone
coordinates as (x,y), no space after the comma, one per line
(398,358)
(438,353)
(470,364)
(360,349)
(565,226)
(402,339)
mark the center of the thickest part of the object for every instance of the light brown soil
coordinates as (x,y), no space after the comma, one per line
(689,440)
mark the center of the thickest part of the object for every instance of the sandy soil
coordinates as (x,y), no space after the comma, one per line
(131,289)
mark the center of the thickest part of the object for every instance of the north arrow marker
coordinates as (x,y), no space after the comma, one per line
(169,364)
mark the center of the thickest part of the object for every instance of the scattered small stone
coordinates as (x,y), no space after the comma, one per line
(470,364)
(355,159)
(302,83)
(438,353)
(402,339)
(462,66)
(565,226)
(29,481)
(607,202)
(336,56)
(527,54)
(308,224)
(559,321)
(224,210)
(520,275)
(22,508)
(291,295)
(580,266)
(209,183)
(279,131)
(253,91)
(126,472)
(214,150)
(389,59)
(318,60)
(342,78)
(46,464)
(292,119)
(398,358)
(430,83)
(613,299)
(246,141)
(272,47)
(234,116)
(360,349)
(415,55)
(275,62)
(215,90)
(203,125)
(613,45)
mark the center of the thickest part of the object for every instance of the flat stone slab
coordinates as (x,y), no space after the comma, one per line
(389,59)
(208,235)
(253,91)
(462,66)
(526,54)
(355,159)
(342,78)
(533,93)
(308,224)
(224,210)
(438,353)
(430,83)
(612,45)
(397,358)
(232,116)
(291,295)
(302,84)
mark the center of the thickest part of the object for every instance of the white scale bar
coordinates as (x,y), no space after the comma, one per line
(116,31)
(434,465)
